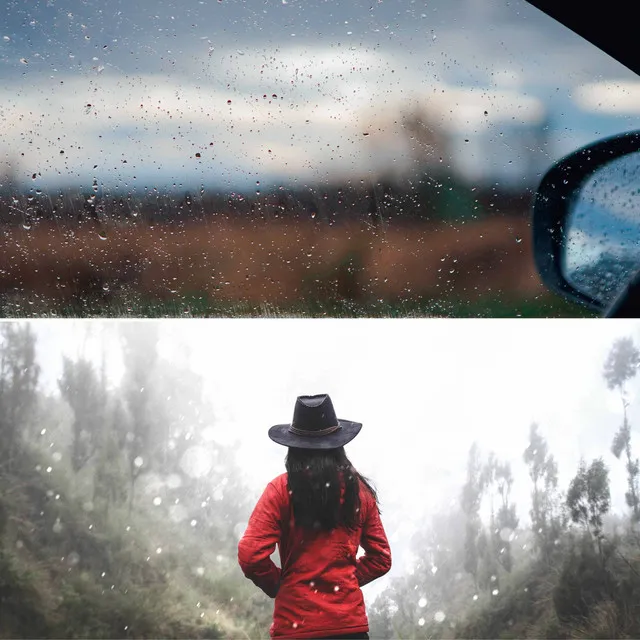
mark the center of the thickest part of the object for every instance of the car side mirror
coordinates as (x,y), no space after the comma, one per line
(586,226)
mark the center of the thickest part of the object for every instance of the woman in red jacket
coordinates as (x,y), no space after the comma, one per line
(318,514)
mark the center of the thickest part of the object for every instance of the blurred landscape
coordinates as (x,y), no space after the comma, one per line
(426,243)
(297,257)
(241,158)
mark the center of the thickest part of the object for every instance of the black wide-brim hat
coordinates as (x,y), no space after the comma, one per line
(315,426)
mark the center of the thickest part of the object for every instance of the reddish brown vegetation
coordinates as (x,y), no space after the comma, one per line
(276,261)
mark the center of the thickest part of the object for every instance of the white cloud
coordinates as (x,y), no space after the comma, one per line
(611,97)
(136,127)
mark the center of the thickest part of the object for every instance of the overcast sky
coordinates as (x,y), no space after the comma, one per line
(423,389)
(127,93)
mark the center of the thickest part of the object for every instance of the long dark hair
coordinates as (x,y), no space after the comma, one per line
(313,478)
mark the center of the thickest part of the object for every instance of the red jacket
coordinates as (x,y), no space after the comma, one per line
(317,591)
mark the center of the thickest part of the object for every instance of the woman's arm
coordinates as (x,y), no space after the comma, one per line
(259,542)
(376,560)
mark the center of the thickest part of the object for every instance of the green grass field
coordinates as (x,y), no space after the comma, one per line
(196,306)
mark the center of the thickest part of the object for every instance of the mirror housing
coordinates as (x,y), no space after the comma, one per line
(554,204)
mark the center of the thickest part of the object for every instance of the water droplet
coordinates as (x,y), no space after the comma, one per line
(157,501)
(439,616)
(57,456)
(495,592)
(195,462)
(475,597)
(336,588)
(174,481)
(421,622)
(159,550)
(138,462)
(422,602)
(177,513)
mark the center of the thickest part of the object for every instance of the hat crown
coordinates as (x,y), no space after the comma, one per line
(314,413)
(315,426)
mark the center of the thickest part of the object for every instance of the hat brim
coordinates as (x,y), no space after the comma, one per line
(280,434)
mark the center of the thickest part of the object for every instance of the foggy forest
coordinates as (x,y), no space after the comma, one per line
(121,509)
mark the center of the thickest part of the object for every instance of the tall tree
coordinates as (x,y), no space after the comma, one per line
(496,480)
(139,346)
(506,519)
(470,501)
(589,498)
(82,389)
(543,471)
(19,375)
(110,479)
(621,366)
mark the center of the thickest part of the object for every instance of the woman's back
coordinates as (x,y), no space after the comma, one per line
(320,577)
(318,514)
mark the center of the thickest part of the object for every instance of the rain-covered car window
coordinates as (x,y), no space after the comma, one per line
(132,453)
(230,157)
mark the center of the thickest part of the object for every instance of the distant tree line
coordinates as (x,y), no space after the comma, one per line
(150,425)
(428,197)
(574,569)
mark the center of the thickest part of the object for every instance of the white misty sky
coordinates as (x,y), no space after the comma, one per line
(423,389)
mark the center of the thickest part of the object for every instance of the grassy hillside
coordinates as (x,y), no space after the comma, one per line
(68,570)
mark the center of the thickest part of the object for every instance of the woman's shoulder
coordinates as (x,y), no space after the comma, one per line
(279,483)
(367,499)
